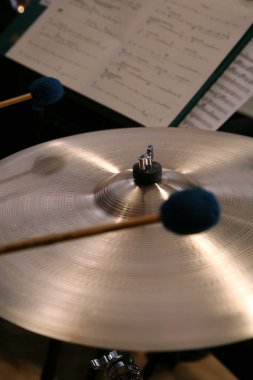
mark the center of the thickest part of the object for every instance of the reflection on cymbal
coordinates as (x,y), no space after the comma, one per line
(139,289)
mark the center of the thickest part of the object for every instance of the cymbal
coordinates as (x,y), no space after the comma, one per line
(142,288)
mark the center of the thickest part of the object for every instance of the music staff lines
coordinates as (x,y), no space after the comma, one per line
(208,101)
(131,4)
(93,11)
(132,105)
(116,79)
(63,28)
(136,71)
(61,40)
(57,68)
(152,55)
(220,96)
(174,27)
(241,75)
(203,10)
(194,117)
(59,56)
(100,14)
(228,80)
(170,44)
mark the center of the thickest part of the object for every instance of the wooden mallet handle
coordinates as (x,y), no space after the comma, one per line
(16,99)
(83,232)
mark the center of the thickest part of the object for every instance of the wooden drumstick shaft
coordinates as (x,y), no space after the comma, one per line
(83,232)
(16,99)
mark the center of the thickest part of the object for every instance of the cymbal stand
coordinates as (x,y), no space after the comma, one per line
(51,361)
(117,368)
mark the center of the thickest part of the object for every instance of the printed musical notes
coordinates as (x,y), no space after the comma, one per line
(144,59)
(227,95)
(164,63)
(73,40)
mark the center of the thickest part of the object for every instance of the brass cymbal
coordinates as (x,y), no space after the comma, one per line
(139,289)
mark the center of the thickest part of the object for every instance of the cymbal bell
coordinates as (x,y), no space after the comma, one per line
(144,288)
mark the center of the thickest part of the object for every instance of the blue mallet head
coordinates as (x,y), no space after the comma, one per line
(46,91)
(190,211)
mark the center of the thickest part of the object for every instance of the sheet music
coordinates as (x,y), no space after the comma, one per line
(144,59)
(229,93)
(73,39)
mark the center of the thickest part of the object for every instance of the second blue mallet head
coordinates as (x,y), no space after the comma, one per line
(190,211)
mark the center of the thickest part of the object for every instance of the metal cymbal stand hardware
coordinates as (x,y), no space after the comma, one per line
(117,368)
(146,171)
(51,360)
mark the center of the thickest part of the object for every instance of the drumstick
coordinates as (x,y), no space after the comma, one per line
(43,91)
(17,99)
(185,212)
(83,232)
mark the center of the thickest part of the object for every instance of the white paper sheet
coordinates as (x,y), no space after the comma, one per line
(144,59)
(226,96)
